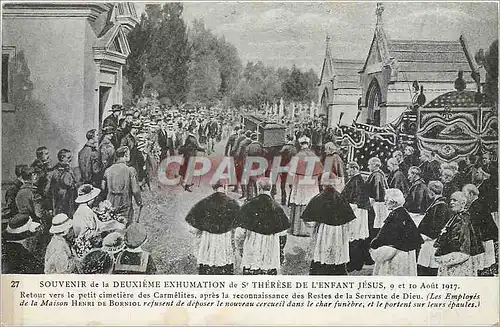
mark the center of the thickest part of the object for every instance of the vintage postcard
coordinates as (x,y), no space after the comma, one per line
(249,163)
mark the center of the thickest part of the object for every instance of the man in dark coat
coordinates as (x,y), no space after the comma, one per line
(488,190)
(89,160)
(10,208)
(254,149)
(42,167)
(231,141)
(430,227)
(106,149)
(188,150)
(113,121)
(396,178)
(166,140)
(356,194)
(211,131)
(419,196)
(16,258)
(485,227)
(287,152)
(376,186)
(429,167)
(214,220)
(264,225)
(242,148)
(449,183)
(330,212)
(131,143)
(62,185)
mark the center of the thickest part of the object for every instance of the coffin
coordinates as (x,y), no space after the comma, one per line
(270,133)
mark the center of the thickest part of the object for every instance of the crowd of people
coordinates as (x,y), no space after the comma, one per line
(61,219)
(411,215)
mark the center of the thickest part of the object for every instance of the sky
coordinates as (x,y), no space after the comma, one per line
(282,34)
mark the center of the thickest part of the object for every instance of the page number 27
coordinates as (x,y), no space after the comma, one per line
(14,283)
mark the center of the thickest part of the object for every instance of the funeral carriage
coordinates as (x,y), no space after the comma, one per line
(454,125)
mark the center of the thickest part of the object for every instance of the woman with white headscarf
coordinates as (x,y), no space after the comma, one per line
(394,247)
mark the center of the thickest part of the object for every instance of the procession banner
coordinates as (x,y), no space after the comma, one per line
(239,300)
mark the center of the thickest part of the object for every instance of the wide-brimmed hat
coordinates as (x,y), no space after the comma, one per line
(87,192)
(60,223)
(113,242)
(20,227)
(97,261)
(135,236)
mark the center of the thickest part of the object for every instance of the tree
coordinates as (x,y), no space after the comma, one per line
(136,67)
(169,52)
(230,66)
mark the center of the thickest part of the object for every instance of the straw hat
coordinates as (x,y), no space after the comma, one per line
(113,242)
(60,223)
(87,192)
(20,227)
(135,236)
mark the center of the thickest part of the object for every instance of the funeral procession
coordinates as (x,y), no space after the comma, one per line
(254,138)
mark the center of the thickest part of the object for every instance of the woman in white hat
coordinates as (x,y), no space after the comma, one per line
(16,255)
(84,218)
(85,222)
(59,258)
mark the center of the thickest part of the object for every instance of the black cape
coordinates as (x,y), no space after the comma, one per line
(263,215)
(458,235)
(355,192)
(216,214)
(329,207)
(435,218)
(399,231)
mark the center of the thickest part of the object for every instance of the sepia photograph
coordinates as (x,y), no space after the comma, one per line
(250,138)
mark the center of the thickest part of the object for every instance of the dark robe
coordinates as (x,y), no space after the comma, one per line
(16,259)
(398,180)
(263,215)
(482,221)
(216,214)
(230,144)
(188,150)
(435,218)
(10,208)
(328,207)
(399,231)
(458,235)
(355,192)
(419,197)
(430,171)
(450,188)
(62,188)
(488,193)
(376,186)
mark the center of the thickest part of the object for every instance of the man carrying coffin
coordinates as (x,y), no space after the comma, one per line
(434,219)
(213,221)
(355,193)
(330,214)
(263,230)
